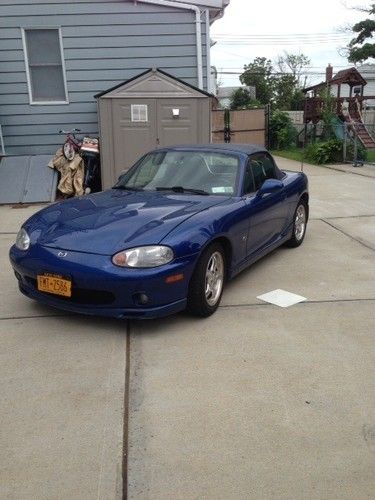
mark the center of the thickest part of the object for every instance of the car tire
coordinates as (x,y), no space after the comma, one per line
(207,282)
(299,225)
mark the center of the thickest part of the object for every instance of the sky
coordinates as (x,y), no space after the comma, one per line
(269,27)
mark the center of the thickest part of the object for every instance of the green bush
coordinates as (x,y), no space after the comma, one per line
(324,152)
(282,134)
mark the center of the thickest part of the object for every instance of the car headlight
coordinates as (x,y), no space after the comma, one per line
(22,239)
(150,256)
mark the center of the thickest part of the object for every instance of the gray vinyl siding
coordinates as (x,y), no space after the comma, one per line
(104,43)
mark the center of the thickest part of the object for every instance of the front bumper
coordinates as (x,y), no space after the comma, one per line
(100,288)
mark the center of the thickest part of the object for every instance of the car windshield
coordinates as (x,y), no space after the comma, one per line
(196,172)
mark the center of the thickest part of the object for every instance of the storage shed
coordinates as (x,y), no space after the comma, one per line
(151,110)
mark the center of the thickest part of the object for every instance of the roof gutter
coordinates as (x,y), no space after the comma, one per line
(198,29)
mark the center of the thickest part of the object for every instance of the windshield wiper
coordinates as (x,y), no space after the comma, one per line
(128,188)
(180,189)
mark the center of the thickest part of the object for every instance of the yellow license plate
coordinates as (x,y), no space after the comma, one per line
(54,284)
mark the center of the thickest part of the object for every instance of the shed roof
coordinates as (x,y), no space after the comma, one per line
(153,83)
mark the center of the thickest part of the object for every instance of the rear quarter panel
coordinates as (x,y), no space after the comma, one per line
(296,184)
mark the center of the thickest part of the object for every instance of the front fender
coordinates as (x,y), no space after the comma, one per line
(228,220)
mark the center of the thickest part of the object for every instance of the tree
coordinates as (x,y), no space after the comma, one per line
(358,51)
(328,113)
(282,133)
(259,75)
(284,89)
(242,99)
(297,101)
(288,93)
(294,64)
(280,88)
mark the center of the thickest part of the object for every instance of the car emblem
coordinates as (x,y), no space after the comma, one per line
(62,254)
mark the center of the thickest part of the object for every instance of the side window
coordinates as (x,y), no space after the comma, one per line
(269,167)
(45,67)
(263,168)
(248,183)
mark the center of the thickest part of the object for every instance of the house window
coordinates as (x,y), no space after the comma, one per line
(139,113)
(45,66)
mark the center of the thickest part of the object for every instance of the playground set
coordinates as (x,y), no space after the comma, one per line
(348,124)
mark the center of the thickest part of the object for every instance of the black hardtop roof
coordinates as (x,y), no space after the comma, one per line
(231,148)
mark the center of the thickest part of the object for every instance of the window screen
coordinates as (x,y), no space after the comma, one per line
(45,68)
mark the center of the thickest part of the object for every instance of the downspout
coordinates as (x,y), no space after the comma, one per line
(208,51)
(198,29)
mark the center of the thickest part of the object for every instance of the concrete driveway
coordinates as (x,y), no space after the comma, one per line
(254,402)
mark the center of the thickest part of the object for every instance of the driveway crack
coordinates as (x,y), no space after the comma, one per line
(305,302)
(348,235)
(125,446)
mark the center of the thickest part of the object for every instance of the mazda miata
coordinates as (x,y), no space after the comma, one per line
(166,237)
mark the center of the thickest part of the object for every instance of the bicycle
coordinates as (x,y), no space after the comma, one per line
(72,144)
(88,149)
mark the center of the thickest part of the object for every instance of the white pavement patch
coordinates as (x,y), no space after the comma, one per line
(281,298)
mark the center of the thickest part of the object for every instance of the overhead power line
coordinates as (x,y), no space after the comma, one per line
(276,73)
(280,73)
(281,36)
(284,39)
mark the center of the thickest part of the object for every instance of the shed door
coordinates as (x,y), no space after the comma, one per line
(145,124)
(181,128)
(134,130)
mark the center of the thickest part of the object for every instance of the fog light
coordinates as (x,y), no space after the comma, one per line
(141,299)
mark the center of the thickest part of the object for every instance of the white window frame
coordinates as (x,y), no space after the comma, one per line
(136,110)
(44,103)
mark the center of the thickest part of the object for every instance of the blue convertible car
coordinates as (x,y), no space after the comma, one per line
(166,236)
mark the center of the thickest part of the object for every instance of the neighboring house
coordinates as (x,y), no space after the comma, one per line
(56,55)
(367,71)
(224,95)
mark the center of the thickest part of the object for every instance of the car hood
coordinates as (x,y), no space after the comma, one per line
(105,223)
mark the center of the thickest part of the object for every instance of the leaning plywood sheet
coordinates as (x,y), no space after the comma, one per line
(27,179)
(41,180)
(13,175)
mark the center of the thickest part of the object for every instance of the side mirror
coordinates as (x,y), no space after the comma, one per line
(270,186)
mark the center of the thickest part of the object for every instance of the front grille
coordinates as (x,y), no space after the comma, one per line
(79,295)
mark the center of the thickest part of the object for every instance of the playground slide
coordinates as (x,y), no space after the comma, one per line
(353,128)
(339,129)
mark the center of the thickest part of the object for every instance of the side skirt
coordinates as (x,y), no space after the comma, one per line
(257,256)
